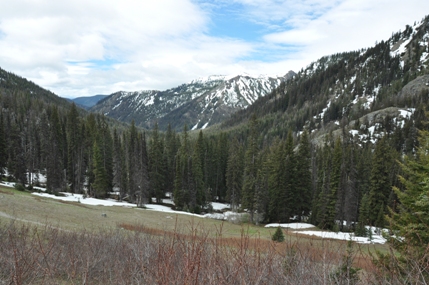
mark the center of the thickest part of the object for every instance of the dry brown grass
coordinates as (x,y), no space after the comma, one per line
(34,255)
(45,241)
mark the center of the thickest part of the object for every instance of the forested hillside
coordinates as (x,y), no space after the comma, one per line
(322,147)
(344,87)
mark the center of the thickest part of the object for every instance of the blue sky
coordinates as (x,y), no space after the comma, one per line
(82,47)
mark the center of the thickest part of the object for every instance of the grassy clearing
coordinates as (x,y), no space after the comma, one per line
(23,206)
(48,241)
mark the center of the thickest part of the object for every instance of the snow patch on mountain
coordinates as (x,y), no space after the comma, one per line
(200,103)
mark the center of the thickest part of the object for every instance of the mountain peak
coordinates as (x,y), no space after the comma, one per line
(202,102)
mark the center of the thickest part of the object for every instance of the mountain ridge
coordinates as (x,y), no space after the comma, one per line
(199,103)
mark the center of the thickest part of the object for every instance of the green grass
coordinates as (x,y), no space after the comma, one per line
(23,207)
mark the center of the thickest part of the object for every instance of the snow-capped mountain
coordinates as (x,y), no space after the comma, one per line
(366,93)
(198,104)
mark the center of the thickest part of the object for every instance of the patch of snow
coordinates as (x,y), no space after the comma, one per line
(369,101)
(87,201)
(204,126)
(406,114)
(219,206)
(149,101)
(295,226)
(344,236)
(226,216)
(117,105)
(196,126)
(401,49)
(371,130)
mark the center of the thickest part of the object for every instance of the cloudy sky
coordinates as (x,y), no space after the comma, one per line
(87,47)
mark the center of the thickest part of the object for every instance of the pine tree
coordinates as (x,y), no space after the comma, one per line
(198,173)
(3,156)
(278,235)
(101,184)
(75,159)
(411,222)
(250,170)
(234,174)
(183,173)
(303,183)
(132,159)
(261,190)
(119,166)
(381,185)
(171,148)
(323,192)
(350,199)
(331,209)
(106,147)
(157,166)
(142,195)
(278,205)
(364,212)
(52,149)
(221,164)
(17,167)
(289,195)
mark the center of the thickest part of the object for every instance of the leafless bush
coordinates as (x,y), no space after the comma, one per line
(137,255)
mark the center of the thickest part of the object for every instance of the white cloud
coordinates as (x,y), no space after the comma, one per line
(350,25)
(80,48)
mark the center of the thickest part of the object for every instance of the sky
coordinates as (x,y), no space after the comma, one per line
(87,47)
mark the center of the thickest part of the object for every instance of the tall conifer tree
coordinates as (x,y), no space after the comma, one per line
(75,167)
(3,156)
(303,182)
(157,169)
(250,169)
(380,179)
(234,174)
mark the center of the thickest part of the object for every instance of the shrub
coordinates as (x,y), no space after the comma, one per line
(278,236)
(19,187)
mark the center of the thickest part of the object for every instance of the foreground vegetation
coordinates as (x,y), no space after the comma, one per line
(46,241)
(48,255)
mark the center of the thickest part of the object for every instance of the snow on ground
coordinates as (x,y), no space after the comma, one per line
(88,201)
(8,184)
(219,206)
(165,209)
(295,226)
(228,216)
(344,236)
(376,237)
(109,202)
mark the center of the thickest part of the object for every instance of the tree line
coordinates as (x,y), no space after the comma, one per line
(275,180)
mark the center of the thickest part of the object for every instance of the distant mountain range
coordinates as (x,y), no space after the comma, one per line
(198,104)
(88,102)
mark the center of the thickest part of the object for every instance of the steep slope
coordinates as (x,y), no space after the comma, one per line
(13,86)
(198,104)
(339,89)
(21,97)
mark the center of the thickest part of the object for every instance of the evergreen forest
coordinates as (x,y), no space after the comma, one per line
(291,156)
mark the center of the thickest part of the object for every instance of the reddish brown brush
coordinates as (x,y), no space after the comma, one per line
(138,255)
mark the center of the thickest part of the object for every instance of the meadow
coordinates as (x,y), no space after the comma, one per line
(47,241)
